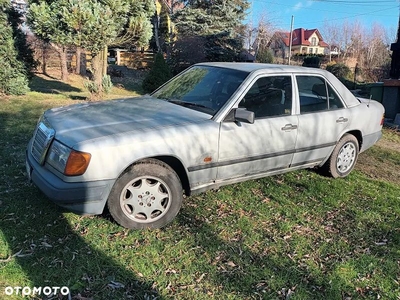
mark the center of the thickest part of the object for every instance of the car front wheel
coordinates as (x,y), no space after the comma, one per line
(343,157)
(148,195)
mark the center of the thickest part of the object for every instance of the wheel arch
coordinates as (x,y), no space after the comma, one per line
(356,133)
(358,136)
(348,160)
(179,168)
(175,164)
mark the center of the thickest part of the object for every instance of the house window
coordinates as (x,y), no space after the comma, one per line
(310,50)
(314,41)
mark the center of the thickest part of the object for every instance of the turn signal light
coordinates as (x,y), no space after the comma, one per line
(382,120)
(77,163)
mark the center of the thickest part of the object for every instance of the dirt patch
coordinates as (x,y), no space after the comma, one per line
(377,169)
(390,145)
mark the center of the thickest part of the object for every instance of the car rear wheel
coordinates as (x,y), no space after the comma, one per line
(148,195)
(343,157)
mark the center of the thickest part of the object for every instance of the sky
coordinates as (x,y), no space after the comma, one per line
(310,14)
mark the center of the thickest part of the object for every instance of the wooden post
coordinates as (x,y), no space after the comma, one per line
(118,57)
(105,61)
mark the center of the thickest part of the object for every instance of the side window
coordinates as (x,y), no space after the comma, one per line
(334,100)
(269,96)
(316,95)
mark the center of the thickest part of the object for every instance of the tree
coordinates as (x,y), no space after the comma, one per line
(222,47)
(367,48)
(210,17)
(357,39)
(330,31)
(127,23)
(136,30)
(46,21)
(93,25)
(264,55)
(163,32)
(77,17)
(187,51)
(218,21)
(339,35)
(265,32)
(13,72)
(375,56)
(24,49)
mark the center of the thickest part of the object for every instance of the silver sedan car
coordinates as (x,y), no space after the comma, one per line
(213,124)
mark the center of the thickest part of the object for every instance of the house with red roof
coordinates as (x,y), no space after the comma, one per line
(304,41)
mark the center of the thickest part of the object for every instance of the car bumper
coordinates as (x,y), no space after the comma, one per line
(79,197)
(370,140)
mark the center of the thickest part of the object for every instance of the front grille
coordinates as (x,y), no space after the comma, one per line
(41,142)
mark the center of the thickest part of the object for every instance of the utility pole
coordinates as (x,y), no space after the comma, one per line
(251,25)
(290,40)
(395,63)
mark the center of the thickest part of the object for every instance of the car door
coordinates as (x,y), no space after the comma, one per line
(266,145)
(322,119)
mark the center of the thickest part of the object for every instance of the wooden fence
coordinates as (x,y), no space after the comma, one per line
(137,60)
(134,60)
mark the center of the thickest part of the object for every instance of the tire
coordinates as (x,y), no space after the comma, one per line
(147,195)
(343,158)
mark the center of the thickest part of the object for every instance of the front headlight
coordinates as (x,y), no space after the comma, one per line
(67,160)
(58,156)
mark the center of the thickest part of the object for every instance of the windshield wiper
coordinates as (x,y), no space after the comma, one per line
(201,107)
(185,103)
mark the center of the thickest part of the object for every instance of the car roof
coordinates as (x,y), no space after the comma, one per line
(261,68)
(251,67)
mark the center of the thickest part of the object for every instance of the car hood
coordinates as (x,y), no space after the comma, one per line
(86,121)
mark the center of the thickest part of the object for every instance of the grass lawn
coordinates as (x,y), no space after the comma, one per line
(294,236)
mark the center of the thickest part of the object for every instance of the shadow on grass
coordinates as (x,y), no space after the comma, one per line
(39,248)
(128,85)
(73,97)
(47,85)
(330,262)
(126,78)
(246,273)
(42,85)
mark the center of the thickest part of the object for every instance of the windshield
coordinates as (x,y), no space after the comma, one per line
(203,88)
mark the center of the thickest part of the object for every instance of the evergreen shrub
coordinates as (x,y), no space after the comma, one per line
(340,70)
(158,75)
(312,62)
(13,72)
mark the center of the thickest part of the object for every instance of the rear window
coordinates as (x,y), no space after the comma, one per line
(316,94)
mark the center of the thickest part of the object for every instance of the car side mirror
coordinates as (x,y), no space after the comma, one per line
(244,115)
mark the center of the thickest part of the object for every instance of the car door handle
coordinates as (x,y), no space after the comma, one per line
(289,127)
(342,120)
